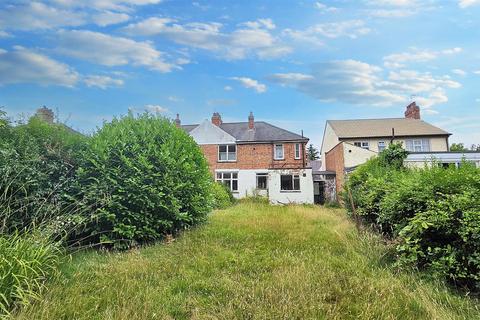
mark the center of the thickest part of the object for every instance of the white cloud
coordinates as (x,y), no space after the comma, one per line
(459,72)
(23,66)
(107,18)
(392,13)
(37,15)
(153,108)
(324,8)
(356,82)
(4,34)
(102,82)
(467,3)
(111,51)
(227,88)
(252,40)
(477,72)
(317,33)
(174,99)
(251,84)
(117,5)
(398,60)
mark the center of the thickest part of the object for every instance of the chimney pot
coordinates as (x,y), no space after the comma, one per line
(251,121)
(45,114)
(177,121)
(412,111)
(216,119)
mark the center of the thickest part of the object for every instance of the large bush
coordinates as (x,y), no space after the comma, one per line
(222,197)
(434,213)
(142,178)
(38,161)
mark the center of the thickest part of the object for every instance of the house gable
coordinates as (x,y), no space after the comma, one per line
(208,133)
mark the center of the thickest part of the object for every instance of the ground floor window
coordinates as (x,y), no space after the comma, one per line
(230,179)
(262,181)
(289,182)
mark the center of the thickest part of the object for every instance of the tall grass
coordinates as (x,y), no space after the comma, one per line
(252,261)
(26,261)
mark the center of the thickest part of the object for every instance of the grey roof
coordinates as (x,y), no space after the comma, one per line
(364,128)
(263,132)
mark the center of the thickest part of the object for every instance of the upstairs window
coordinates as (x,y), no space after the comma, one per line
(297,150)
(278,155)
(417,145)
(290,182)
(230,179)
(381,146)
(262,181)
(227,152)
(362,144)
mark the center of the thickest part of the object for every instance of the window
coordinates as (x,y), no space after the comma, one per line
(278,152)
(297,150)
(363,144)
(262,181)
(381,146)
(227,152)
(230,179)
(417,145)
(290,182)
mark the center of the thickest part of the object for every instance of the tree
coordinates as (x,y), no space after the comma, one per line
(475,147)
(458,147)
(312,153)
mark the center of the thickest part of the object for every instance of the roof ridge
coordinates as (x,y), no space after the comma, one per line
(398,118)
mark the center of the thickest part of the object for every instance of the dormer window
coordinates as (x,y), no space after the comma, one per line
(278,152)
(227,152)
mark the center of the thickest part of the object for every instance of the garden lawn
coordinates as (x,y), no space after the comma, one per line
(251,261)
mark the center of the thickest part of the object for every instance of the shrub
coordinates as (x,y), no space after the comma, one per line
(37,165)
(222,197)
(26,262)
(143,178)
(434,213)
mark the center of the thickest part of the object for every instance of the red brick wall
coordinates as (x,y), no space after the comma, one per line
(255,156)
(334,161)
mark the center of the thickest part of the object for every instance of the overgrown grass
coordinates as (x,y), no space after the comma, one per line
(26,261)
(252,261)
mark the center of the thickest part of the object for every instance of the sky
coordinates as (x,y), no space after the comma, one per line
(292,63)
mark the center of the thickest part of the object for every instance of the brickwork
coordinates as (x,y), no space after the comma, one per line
(255,156)
(334,161)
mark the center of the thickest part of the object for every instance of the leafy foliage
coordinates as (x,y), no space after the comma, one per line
(457,147)
(222,197)
(312,153)
(434,213)
(144,179)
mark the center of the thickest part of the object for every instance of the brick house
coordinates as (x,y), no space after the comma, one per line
(349,143)
(255,158)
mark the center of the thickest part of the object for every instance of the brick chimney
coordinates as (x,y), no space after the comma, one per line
(251,121)
(45,114)
(413,111)
(216,119)
(177,121)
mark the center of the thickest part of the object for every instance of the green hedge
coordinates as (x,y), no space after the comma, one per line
(222,197)
(142,178)
(434,213)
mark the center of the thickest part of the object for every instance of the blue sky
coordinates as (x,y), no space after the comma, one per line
(293,63)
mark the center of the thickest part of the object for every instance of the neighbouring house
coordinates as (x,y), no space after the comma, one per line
(349,143)
(255,158)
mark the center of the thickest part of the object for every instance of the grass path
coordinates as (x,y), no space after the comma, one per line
(252,261)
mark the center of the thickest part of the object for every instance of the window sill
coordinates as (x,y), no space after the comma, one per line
(220,161)
(290,191)
(279,159)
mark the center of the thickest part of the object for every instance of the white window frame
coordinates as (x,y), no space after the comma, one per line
(417,145)
(298,154)
(362,144)
(295,187)
(228,153)
(275,151)
(230,176)
(266,180)
(382,145)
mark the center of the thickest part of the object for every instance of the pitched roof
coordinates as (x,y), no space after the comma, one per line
(263,132)
(365,128)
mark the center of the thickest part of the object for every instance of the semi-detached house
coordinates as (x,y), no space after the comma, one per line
(255,158)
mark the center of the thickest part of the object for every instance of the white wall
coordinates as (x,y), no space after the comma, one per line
(208,133)
(305,195)
(354,156)
(329,141)
(247,182)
